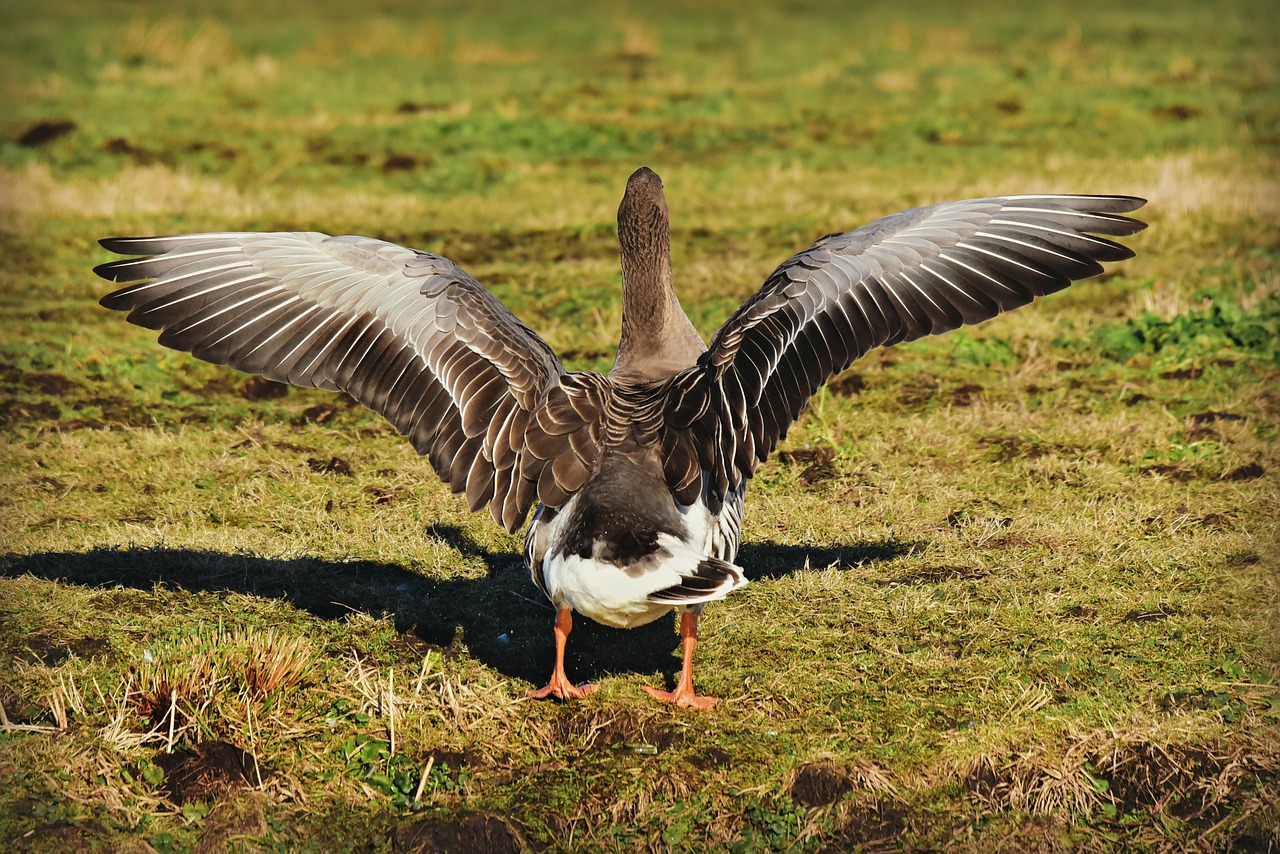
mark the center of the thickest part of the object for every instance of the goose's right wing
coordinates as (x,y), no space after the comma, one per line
(409,334)
(920,272)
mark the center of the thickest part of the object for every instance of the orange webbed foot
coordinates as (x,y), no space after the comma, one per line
(563,689)
(559,685)
(683,699)
(683,695)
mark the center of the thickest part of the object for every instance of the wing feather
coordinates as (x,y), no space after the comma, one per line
(409,334)
(920,272)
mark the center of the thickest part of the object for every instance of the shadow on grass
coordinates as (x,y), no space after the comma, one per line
(503,619)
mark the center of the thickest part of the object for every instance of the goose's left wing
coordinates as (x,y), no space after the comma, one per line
(409,334)
(920,272)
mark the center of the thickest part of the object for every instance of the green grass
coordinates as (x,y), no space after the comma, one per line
(1026,601)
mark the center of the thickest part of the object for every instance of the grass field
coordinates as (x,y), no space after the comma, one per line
(1015,588)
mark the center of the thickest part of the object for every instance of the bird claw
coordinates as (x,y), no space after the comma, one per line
(683,699)
(563,689)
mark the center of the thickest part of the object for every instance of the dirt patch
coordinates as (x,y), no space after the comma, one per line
(261,388)
(257,438)
(334,465)
(42,133)
(220,150)
(1217,522)
(877,826)
(409,108)
(17,709)
(1149,615)
(46,649)
(209,771)
(818,473)
(1185,782)
(712,757)
(403,163)
(54,385)
(19,412)
(64,836)
(848,385)
(474,832)
(819,463)
(319,414)
(965,395)
(825,781)
(915,395)
(1177,112)
(819,783)
(1081,612)
(983,781)
(1252,471)
(386,496)
(138,154)
(113,410)
(88,647)
(452,759)
(624,730)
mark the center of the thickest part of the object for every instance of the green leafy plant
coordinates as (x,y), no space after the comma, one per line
(1219,329)
(395,775)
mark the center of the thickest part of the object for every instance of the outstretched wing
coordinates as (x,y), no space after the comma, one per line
(409,334)
(920,272)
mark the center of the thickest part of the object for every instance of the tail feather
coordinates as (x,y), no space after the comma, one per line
(712,579)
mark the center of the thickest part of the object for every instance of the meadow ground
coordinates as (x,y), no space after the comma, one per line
(1013,588)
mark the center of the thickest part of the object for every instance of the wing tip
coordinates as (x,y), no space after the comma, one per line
(111,300)
(112,271)
(125,245)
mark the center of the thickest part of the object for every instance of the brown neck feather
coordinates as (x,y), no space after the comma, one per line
(657,337)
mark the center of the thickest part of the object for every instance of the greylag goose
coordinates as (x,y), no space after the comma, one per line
(638,474)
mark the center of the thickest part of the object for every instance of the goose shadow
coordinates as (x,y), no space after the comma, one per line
(501,617)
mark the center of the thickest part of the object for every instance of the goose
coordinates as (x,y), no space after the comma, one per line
(638,474)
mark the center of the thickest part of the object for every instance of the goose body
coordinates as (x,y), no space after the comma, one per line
(638,475)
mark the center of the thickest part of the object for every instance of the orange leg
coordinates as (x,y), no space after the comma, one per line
(683,694)
(560,686)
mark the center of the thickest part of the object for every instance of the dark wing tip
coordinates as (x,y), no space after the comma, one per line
(116,300)
(1127,204)
(119,271)
(1118,204)
(121,245)
(112,271)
